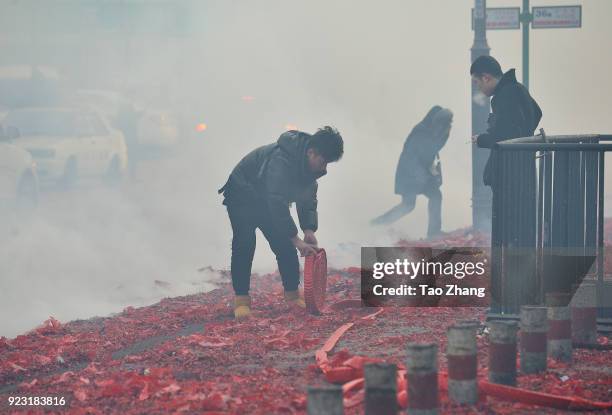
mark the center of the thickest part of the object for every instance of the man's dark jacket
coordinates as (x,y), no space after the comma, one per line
(515,114)
(413,173)
(272,177)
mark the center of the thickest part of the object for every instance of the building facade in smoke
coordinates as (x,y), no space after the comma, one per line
(112,43)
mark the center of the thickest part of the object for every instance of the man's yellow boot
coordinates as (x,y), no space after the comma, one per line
(295,298)
(242,306)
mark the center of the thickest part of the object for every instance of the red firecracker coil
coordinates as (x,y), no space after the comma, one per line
(315,281)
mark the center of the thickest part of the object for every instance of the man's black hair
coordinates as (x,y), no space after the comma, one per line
(327,141)
(486,64)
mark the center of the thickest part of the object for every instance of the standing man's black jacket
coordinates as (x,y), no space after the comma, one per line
(272,177)
(515,114)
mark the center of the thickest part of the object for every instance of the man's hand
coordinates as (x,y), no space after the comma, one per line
(310,238)
(475,139)
(304,248)
(433,169)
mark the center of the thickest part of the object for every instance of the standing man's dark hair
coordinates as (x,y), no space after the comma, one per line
(258,194)
(486,65)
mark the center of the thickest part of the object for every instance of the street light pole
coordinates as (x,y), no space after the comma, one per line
(526,18)
(481,195)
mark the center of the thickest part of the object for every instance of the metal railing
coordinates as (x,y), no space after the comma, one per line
(548,217)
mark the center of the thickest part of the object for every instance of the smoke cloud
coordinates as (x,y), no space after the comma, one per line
(248,70)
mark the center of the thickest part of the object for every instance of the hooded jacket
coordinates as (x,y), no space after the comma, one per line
(420,149)
(274,176)
(514,114)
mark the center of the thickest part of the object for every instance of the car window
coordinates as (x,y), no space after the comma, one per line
(97,125)
(96,102)
(41,122)
(83,126)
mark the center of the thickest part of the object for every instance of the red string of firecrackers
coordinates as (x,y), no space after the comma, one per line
(315,281)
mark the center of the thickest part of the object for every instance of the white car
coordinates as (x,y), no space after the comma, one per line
(69,144)
(18,178)
(108,103)
(152,128)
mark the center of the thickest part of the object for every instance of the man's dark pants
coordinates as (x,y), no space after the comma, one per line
(245,220)
(496,250)
(434,208)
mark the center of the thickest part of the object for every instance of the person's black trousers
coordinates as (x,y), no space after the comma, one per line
(245,220)
(496,251)
(434,209)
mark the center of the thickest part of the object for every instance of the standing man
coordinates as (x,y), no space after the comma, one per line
(258,194)
(515,113)
(419,171)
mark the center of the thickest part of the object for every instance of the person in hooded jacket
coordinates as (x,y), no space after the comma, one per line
(419,170)
(258,194)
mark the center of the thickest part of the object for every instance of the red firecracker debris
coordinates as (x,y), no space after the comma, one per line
(188,355)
